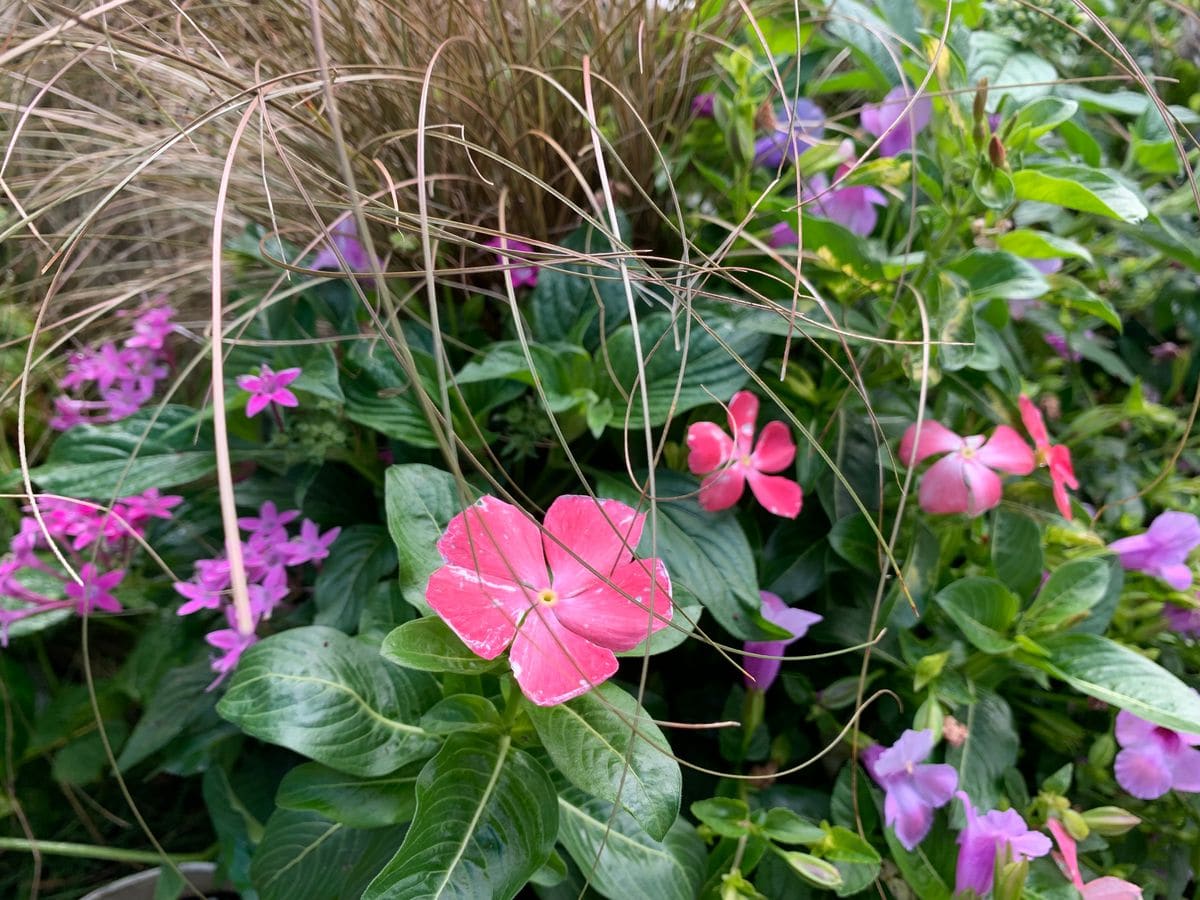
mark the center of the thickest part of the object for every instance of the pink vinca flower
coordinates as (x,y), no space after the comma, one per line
(913,788)
(965,479)
(522,275)
(728,463)
(1056,457)
(268,387)
(564,601)
(1106,888)
(1154,759)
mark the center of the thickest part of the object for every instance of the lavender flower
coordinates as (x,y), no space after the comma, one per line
(1155,759)
(987,835)
(311,545)
(1163,549)
(851,207)
(794,126)
(761,673)
(877,118)
(522,276)
(913,789)
(1182,619)
(702,105)
(344,237)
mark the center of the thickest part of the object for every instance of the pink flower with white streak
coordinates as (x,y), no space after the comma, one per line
(564,601)
(965,479)
(729,463)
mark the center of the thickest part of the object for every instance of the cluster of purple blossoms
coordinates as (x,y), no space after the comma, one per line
(268,551)
(105,538)
(121,378)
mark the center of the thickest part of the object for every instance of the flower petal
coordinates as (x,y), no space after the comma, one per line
(1178,576)
(1031,417)
(777,494)
(907,813)
(708,447)
(1185,766)
(256,404)
(1131,729)
(775,450)
(1111,888)
(1175,533)
(605,614)
(552,664)
(497,540)
(1142,771)
(722,489)
(582,532)
(957,485)
(743,413)
(936,783)
(911,748)
(761,672)
(483,613)
(1070,858)
(934,438)
(1007,451)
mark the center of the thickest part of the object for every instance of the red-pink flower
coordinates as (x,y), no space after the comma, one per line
(965,480)
(728,463)
(1054,456)
(268,387)
(1106,888)
(564,601)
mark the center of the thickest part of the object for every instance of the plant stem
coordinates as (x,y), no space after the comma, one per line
(90,851)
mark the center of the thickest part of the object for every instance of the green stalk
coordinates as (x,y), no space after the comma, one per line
(90,851)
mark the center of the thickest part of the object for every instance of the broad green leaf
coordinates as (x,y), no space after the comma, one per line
(1151,143)
(180,700)
(126,457)
(726,816)
(564,370)
(354,802)
(1076,296)
(593,743)
(361,556)
(993,186)
(1041,245)
(330,698)
(1017,551)
(1111,672)
(429,645)
(485,823)
(919,871)
(839,249)
(853,540)
(236,827)
(863,32)
(787,827)
(462,712)
(993,273)
(1069,593)
(983,609)
(1035,119)
(1080,188)
(990,747)
(1011,72)
(419,501)
(623,861)
(843,845)
(710,370)
(300,850)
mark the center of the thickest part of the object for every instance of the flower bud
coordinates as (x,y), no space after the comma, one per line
(997,154)
(840,694)
(1075,824)
(813,869)
(1102,752)
(1010,881)
(981,96)
(1110,821)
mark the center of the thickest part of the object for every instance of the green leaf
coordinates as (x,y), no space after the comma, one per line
(419,501)
(462,712)
(787,827)
(1036,118)
(1013,73)
(126,457)
(993,186)
(1151,143)
(181,698)
(623,861)
(592,742)
(361,556)
(1080,188)
(706,553)
(853,540)
(1041,245)
(915,865)
(843,845)
(564,370)
(990,747)
(710,369)
(983,609)
(485,823)
(301,849)
(330,698)
(354,802)
(1017,551)
(726,816)
(992,273)
(1067,595)
(1111,672)
(429,645)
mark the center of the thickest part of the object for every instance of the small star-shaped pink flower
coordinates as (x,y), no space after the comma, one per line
(268,387)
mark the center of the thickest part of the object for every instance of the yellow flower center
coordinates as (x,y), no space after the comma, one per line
(547,596)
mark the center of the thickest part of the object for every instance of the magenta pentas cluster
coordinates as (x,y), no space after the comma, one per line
(268,552)
(97,541)
(110,382)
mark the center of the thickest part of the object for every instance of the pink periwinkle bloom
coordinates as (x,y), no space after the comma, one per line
(877,118)
(1106,888)
(344,237)
(1162,551)
(1183,620)
(913,788)
(728,463)
(762,672)
(796,126)
(702,105)
(522,275)
(1055,457)
(268,387)
(563,601)
(1154,759)
(96,591)
(965,479)
(990,834)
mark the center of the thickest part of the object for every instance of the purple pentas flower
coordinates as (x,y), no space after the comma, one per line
(1062,348)
(151,328)
(268,387)
(913,788)
(96,591)
(269,520)
(795,127)
(761,673)
(878,118)
(344,237)
(1162,551)
(310,545)
(232,643)
(1183,620)
(522,275)
(984,837)
(1154,759)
